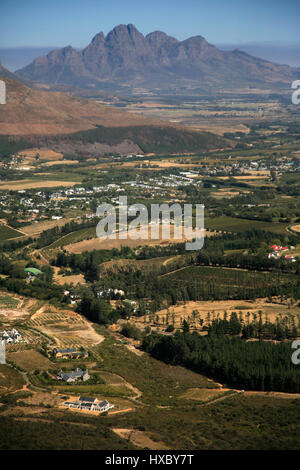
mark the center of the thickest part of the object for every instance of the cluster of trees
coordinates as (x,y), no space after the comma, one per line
(246,261)
(255,365)
(13,245)
(37,289)
(10,145)
(87,263)
(11,269)
(96,309)
(251,240)
(41,288)
(279,330)
(131,331)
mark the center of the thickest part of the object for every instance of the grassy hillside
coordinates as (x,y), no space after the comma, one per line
(153,139)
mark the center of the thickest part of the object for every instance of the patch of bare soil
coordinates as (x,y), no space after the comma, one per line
(11,314)
(139,438)
(295,228)
(147,239)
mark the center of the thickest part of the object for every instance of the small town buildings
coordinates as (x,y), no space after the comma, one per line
(74,376)
(290,258)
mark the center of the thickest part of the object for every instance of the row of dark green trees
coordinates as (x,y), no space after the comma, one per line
(254,365)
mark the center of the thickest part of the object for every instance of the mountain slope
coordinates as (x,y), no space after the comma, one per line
(79,126)
(127,58)
(37,112)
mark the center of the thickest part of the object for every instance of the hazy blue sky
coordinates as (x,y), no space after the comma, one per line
(75,22)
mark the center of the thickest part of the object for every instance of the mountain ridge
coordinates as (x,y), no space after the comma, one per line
(125,57)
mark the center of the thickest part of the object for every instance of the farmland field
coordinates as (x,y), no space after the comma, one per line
(7,233)
(147,265)
(29,360)
(7,301)
(29,184)
(231,224)
(226,276)
(39,227)
(10,379)
(201,313)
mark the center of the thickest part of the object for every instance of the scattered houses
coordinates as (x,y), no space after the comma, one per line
(12,336)
(277,250)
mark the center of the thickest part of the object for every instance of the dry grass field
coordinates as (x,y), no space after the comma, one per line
(139,438)
(45,154)
(206,311)
(10,379)
(61,162)
(39,227)
(204,394)
(29,360)
(18,185)
(108,244)
(296,228)
(74,279)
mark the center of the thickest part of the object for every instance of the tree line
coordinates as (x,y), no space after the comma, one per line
(237,363)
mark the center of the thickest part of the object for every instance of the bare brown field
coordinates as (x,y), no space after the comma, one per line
(139,438)
(296,228)
(17,185)
(39,227)
(108,244)
(97,244)
(245,177)
(44,154)
(74,279)
(60,162)
(8,314)
(206,311)
(204,394)
(158,164)
(43,399)
(10,379)
(225,193)
(29,360)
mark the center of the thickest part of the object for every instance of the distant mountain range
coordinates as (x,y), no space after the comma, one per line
(126,59)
